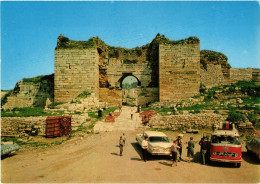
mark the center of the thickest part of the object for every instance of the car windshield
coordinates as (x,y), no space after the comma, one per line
(225,139)
(159,139)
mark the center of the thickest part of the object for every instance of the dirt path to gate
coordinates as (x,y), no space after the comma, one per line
(95,159)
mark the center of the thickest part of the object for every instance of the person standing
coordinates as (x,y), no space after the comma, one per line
(179,143)
(121,145)
(174,149)
(120,107)
(132,114)
(124,138)
(190,148)
(203,149)
(145,148)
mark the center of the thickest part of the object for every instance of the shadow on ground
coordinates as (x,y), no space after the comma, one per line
(7,156)
(115,154)
(250,158)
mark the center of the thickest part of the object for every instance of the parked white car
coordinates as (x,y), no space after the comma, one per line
(158,142)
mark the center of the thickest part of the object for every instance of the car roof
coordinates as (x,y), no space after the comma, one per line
(155,133)
(233,132)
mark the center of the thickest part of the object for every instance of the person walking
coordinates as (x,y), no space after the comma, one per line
(120,107)
(124,138)
(132,114)
(174,149)
(179,143)
(121,145)
(190,148)
(203,149)
(145,148)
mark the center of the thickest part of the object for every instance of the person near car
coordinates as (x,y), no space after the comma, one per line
(190,148)
(121,145)
(174,149)
(203,149)
(145,148)
(179,143)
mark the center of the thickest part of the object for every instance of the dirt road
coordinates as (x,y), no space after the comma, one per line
(95,159)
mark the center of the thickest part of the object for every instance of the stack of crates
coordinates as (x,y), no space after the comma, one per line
(58,126)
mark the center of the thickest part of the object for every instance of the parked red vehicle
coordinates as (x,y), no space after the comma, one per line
(224,144)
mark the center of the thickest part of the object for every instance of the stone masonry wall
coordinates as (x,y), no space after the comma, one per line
(113,97)
(237,74)
(22,126)
(30,94)
(185,121)
(212,76)
(256,76)
(146,95)
(76,70)
(179,71)
(116,72)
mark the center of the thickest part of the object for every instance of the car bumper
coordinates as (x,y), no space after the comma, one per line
(159,153)
(225,160)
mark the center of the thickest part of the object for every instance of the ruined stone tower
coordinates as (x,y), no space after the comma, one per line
(166,70)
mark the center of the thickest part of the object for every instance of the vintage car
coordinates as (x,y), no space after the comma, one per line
(253,146)
(158,142)
(9,149)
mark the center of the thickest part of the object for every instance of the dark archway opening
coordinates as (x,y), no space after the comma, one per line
(129,85)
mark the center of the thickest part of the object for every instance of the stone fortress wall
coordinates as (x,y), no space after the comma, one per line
(179,71)
(166,71)
(75,71)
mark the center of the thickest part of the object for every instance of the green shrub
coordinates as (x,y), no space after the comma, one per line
(54,104)
(85,94)
(252,117)
(203,88)
(28,111)
(235,117)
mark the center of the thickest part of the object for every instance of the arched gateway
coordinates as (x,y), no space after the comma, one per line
(166,70)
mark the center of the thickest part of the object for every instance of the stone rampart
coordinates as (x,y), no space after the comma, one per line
(117,72)
(212,76)
(256,76)
(185,121)
(31,94)
(26,126)
(238,74)
(113,97)
(179,71)
(76,71)
(22,126)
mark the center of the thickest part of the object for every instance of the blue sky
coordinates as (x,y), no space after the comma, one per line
(29,30)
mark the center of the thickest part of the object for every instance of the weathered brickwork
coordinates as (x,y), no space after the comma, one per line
(22,126)
(76,71)
(185,121)
(26,126)
(256,76)
(237,74)
(117,72)
(113,97)
(179,71)
(30,94)
(212,76)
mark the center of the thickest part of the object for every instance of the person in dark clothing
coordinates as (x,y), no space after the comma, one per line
(121,145)
(203,149)
(99,113)
(179,143)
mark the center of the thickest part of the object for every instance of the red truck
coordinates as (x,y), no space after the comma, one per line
(224,144)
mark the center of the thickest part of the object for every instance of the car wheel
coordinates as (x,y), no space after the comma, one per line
(238,165)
